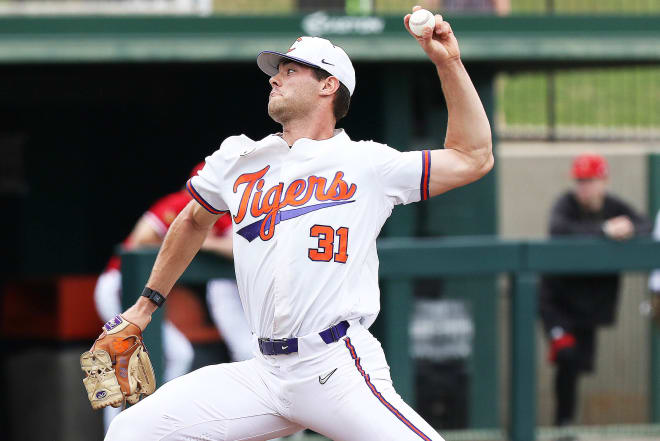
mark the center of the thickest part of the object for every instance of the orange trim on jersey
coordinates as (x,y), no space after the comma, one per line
(378,395)
(196,196)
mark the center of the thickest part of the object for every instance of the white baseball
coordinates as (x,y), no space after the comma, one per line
(420,20)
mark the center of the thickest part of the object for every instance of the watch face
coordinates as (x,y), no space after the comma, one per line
(154,296)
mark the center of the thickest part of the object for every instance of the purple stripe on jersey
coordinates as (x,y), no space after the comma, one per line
(196,196)
(251,231)
(426,175)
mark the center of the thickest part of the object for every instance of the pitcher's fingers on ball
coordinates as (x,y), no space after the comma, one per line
(438,24)
(416,8)
(406,23)
(443,28)
(426,34)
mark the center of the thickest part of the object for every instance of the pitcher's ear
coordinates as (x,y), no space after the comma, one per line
(330,86)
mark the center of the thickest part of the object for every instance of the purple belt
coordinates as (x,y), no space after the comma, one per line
(269,346)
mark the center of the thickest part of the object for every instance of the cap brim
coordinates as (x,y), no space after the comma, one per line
(269,61)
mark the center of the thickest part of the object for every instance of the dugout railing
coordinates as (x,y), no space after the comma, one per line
(402,259)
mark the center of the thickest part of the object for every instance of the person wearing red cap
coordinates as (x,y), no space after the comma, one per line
(573,307)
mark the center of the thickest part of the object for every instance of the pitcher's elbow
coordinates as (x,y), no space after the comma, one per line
(486,160)
(489,163)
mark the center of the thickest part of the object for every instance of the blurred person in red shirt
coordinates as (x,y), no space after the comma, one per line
(222,294)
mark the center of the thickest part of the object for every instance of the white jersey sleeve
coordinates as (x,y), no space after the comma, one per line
(206,187)
(403,175)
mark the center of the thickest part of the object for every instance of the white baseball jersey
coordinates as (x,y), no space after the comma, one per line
(306,219)
(305,225)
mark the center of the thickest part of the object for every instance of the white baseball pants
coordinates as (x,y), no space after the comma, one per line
(342,390)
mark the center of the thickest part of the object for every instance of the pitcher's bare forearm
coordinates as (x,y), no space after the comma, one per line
(467,155)
(182,242)
(468,129)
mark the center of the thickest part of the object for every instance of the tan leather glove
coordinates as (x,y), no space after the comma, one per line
(117,367)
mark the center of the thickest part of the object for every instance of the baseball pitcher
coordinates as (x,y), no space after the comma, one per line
(307,205)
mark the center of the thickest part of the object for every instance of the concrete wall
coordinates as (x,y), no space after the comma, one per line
(530,177)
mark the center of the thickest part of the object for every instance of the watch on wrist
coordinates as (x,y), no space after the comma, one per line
(157,298)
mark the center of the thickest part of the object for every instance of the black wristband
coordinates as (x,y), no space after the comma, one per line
(157,298)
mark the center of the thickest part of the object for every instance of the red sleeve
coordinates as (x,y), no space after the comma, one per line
(222,226)
(160,216)
(165,210)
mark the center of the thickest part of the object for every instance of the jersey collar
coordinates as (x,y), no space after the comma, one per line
(339,135)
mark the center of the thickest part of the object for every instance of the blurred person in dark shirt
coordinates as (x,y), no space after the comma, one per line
(573,307)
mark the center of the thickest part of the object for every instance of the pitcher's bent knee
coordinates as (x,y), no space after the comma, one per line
(126,427)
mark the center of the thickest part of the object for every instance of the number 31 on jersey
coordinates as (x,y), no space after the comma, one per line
(325,251)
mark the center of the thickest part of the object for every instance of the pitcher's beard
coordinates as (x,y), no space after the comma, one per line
(279,113)
(283,112)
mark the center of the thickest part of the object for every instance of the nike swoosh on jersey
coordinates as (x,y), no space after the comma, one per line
(251,231)
(324,379)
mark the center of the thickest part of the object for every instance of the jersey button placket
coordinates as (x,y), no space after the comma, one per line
(279,320)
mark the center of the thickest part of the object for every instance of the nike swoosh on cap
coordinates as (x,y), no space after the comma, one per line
(325,62)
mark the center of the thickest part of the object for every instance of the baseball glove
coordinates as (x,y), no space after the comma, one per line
(117,367)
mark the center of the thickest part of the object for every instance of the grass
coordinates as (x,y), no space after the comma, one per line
(587,6)
(617,97)
(254,6)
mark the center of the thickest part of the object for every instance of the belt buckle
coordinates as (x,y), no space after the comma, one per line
(266,346)
(270,344)
(281,343)
(334,333)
